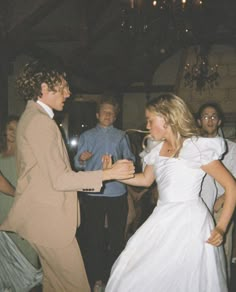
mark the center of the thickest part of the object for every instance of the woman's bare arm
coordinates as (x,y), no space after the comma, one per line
(143,179)
(217,170)
(6,187)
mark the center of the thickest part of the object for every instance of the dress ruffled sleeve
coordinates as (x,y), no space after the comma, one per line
(152,156)
(215,150)
(201,151)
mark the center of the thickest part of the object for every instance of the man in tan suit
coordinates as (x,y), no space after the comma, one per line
(45,210)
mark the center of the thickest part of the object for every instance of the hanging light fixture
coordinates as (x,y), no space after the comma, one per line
(138,16)
(174,22)
(200,74)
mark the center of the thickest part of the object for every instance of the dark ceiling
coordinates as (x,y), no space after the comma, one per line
(106,44)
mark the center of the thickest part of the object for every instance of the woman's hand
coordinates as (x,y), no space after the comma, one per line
(106,161)
(217,236)
(86,155)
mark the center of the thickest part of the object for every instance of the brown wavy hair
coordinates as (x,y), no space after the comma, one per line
(34,74)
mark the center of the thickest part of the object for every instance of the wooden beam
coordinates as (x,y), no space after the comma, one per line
(25,15)
(83,25)
(28,13)
(110,14)
(152,89)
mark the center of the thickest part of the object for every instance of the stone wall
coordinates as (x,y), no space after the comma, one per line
(171,73)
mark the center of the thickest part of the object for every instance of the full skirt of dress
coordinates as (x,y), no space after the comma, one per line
(169,253)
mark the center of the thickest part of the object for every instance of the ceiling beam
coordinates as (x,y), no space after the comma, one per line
(27,13)
(83,25)
(24,15)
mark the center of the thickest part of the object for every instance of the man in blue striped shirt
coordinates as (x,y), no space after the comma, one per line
(111,202)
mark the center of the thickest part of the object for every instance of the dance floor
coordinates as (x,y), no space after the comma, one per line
(232,286)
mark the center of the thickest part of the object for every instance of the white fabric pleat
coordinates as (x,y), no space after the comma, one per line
(16,273)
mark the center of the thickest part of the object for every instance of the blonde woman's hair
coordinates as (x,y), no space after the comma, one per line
(177,115)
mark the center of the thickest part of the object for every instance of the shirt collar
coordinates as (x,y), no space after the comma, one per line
(99,126)
(48,110)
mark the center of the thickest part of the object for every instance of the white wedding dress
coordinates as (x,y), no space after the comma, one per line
(169,253)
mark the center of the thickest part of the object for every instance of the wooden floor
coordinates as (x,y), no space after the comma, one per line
(232,285)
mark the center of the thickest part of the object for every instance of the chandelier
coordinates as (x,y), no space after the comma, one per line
(166,24)
(138,16)
(200,74)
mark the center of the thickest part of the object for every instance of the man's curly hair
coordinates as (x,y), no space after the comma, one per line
(34,74)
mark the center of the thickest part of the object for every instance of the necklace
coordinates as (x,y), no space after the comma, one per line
(169,150)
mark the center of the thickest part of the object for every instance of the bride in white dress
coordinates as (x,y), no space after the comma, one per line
(178,248)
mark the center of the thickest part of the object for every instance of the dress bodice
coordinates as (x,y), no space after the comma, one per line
(179,179)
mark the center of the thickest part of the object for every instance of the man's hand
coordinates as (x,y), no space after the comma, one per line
(85,156)
(121,169)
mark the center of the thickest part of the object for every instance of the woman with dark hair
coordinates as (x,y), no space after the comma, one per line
(19,267)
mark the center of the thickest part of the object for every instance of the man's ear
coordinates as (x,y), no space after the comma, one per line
(199,122)
(44,88)
(219,123)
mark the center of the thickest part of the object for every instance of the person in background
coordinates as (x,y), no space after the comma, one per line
(210,119)
(178,248)
(22,248)
(45,210)
(111,202)
(8,169)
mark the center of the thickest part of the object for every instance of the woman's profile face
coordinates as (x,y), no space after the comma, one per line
(11,131)
(156,125)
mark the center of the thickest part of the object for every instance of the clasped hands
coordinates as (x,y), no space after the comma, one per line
(121,169)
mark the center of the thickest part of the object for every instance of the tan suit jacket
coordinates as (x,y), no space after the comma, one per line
(45,209)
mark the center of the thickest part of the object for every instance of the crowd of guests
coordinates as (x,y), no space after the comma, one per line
(114,202)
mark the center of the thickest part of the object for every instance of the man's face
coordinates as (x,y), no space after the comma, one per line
(55,99)
(209,122)
(106,116)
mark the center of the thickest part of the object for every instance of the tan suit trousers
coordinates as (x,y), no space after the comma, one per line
(63,268)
